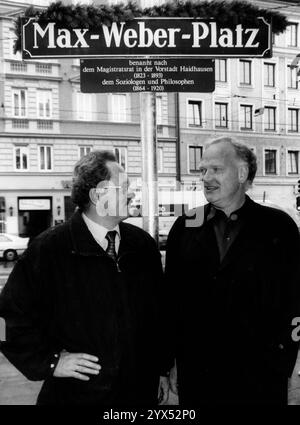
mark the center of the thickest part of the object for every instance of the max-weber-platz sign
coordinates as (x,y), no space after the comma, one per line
(140,37)
(147,54)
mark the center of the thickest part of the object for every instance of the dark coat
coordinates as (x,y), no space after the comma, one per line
(66,293)
(233,319)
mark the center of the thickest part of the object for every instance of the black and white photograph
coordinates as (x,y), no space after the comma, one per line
(149,206)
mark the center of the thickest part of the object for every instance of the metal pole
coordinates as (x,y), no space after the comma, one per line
(149,163)
(178,162)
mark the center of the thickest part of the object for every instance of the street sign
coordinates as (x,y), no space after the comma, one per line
(140,37)
(147,75)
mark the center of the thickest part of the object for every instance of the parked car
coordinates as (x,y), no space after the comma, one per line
(12,246)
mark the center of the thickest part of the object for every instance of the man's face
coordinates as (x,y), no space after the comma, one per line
(219,170)
(115,196)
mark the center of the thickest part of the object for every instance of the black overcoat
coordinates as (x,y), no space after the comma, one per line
(65,293)
(233,320)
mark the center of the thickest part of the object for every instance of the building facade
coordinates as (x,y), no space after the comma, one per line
(47,124)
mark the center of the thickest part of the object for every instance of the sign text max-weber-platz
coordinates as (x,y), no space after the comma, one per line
(162,37)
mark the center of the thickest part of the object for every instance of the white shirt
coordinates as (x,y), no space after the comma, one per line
(99,232)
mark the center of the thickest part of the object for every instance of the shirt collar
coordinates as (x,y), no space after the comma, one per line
(99,232)
(234,216)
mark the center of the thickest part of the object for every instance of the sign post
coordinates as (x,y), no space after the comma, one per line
(149,162)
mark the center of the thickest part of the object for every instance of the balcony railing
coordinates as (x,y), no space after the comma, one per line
(20,123)
(18,67)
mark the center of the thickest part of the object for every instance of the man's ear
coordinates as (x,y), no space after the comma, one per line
(243,173)
(93,195)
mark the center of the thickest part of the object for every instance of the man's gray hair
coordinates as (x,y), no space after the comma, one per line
(242,151)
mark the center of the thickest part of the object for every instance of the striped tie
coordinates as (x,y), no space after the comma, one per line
(111,248)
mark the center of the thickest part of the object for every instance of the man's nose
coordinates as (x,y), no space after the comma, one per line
(207,176)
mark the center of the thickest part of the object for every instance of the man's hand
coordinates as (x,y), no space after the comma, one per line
(163,390)
(173,379)
(76,365)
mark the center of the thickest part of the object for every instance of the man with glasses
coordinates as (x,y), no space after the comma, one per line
(82,304)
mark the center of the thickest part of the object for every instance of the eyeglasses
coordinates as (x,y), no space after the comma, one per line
(108,187)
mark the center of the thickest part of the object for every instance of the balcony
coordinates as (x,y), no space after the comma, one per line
(29,125)
(15,68)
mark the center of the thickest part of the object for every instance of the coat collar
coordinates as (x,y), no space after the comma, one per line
(249,210)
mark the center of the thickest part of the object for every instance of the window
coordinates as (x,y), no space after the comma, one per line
(221,115)
(21,158)
(84,150)
(293,119)
(121,156)
(292,78)
(84,106)
(44,103)
(195,155)
(292,35)
(293,162)
(245,72)
(119,110)
(45,156)
(221,70)
(270,118)
(246,117)
(160,160)
(194,113)
(270,161)
(269,74)
(19,103)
